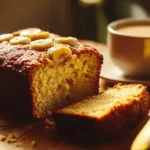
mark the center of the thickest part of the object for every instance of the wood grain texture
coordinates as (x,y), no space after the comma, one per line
(49,139)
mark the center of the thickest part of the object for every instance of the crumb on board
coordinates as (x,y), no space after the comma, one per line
(33,143)
(11,136)
(18,144)
(49,122)
(3,137)
(11,140)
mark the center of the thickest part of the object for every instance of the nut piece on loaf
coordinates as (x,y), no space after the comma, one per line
(105,114)
(41,71)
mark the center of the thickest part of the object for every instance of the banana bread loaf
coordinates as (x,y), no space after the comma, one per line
(105,114)
(41,71)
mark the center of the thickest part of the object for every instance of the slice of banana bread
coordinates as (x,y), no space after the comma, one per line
(41,71)
(105,114)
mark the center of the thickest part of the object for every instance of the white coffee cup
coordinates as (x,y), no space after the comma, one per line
(129,46)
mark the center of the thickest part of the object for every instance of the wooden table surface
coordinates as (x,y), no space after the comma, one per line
(47,138)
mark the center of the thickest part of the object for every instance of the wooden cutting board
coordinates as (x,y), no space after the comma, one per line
(47,138)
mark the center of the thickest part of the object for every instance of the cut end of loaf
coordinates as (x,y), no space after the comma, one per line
(56,85)
(101,105)
(104,115)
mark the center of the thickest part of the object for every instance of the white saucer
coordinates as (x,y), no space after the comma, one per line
(115,75)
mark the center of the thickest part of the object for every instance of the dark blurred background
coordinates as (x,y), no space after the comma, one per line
(85,19)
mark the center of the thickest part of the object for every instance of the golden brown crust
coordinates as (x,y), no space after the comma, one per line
(19,60)
(117,120)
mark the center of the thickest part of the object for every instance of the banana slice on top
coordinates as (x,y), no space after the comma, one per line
(59,53)
(27,32)
(35,33)
(40,35)
(20,40)
(6,37)
(41,44)
(66,40)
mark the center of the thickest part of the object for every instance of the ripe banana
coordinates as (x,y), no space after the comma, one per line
(59,53)
(41,44)
(6,37)
(20,40)
(142,141)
